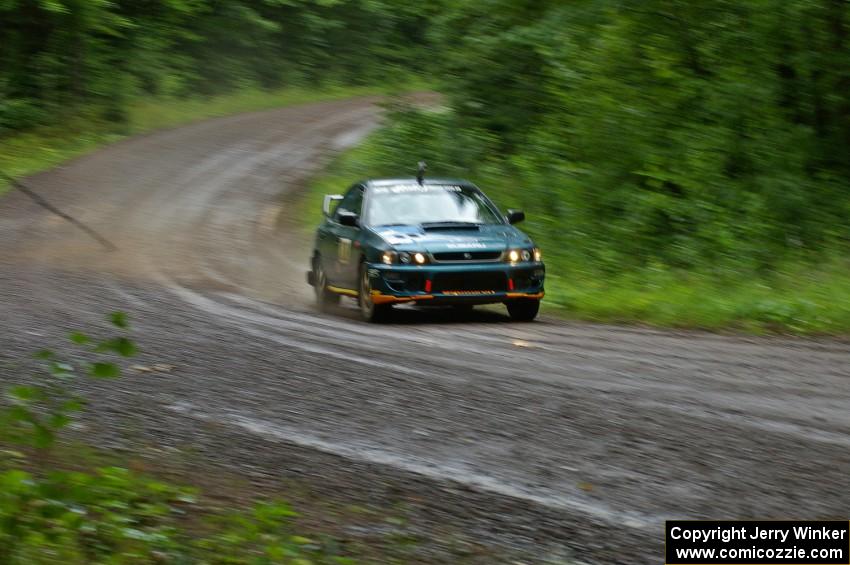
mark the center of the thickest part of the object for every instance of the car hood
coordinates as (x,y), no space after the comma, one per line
(481,238)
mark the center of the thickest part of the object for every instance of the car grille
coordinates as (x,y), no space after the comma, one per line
(464,256)
(452,282)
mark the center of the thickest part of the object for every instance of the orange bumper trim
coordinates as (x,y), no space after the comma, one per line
(537,296)
(379,298)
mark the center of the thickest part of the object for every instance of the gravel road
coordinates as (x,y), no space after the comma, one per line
(552,438)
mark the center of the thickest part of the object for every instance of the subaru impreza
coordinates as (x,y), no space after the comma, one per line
(427,242)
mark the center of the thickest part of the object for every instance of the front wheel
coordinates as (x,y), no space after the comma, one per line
(370,311)
(325,299)
(523,310)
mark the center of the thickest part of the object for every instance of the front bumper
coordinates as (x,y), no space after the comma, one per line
(466,283)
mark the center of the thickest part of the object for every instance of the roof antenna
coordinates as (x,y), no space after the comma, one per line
(420,174)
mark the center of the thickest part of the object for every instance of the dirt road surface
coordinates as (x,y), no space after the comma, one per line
(548,440)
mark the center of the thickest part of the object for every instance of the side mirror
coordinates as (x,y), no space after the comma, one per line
(347,218)
(326,204)
(515,216)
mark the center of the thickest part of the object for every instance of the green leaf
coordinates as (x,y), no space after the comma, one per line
(43,437)
(104,370)
(58,421)
(120,345)
(26,393)
(119,319)
(79,338)
(72,405)
(15,481)
(19,413)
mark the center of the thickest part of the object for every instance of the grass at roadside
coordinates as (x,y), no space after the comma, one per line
(350,528)
(797,298)
(794,300)
(45,147)
(62,501)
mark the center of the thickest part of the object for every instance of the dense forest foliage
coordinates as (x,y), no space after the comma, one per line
(59,56)
(656,136)
(685,133)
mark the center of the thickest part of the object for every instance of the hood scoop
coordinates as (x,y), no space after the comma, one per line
(450,226)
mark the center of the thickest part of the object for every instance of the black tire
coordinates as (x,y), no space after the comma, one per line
(325,299)
(523,310)
(370,311)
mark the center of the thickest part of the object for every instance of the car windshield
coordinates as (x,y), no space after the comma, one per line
(428,204)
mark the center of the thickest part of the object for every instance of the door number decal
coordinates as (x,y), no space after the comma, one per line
(344,250)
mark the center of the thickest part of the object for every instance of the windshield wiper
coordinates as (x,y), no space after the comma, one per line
(450,223)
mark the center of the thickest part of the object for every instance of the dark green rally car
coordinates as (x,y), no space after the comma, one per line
(428,242)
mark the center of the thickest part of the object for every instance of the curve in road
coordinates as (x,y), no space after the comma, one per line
(552,436)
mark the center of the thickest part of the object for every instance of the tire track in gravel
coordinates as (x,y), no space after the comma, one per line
(533,437)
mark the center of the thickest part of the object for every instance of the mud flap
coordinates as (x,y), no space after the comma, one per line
(311,278)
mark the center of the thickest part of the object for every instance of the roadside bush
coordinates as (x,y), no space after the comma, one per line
(20,114)
(112,515)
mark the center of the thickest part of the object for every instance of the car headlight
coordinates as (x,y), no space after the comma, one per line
(538,255)
(403,257)
(522,255)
